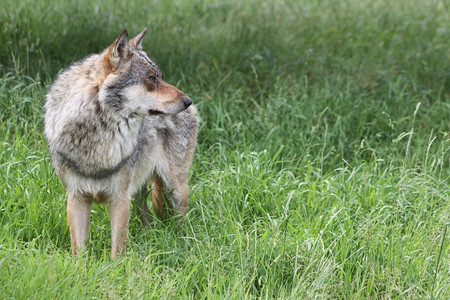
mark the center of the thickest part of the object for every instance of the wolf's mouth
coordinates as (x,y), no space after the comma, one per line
(152,112)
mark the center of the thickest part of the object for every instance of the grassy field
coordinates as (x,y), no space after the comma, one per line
(322,169)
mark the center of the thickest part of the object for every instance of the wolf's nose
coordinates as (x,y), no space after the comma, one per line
(187,102)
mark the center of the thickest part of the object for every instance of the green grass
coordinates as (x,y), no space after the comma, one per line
(322,169)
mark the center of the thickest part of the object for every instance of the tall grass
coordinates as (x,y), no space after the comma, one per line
(322,168)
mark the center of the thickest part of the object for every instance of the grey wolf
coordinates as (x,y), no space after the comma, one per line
(113,125)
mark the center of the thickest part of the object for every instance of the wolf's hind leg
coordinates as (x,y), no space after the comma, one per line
(161,203)
(179,145)
(178,185)
(78,213)
(142,208)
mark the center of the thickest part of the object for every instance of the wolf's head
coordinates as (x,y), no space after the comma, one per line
(134,84)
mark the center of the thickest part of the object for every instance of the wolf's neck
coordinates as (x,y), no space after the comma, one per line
(99,144)
(119,136)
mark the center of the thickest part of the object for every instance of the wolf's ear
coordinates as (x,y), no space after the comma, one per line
(119,52)
(137,40)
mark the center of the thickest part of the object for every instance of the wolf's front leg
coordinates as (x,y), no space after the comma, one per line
(119,212)
(78,213)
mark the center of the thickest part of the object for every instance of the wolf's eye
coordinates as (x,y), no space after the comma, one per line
(153,79)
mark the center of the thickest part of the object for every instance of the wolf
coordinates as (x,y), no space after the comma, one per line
(113,125)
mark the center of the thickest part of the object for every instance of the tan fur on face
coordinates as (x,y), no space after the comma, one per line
(168,93)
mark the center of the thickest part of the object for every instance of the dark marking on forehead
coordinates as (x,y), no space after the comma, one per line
(143,56)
